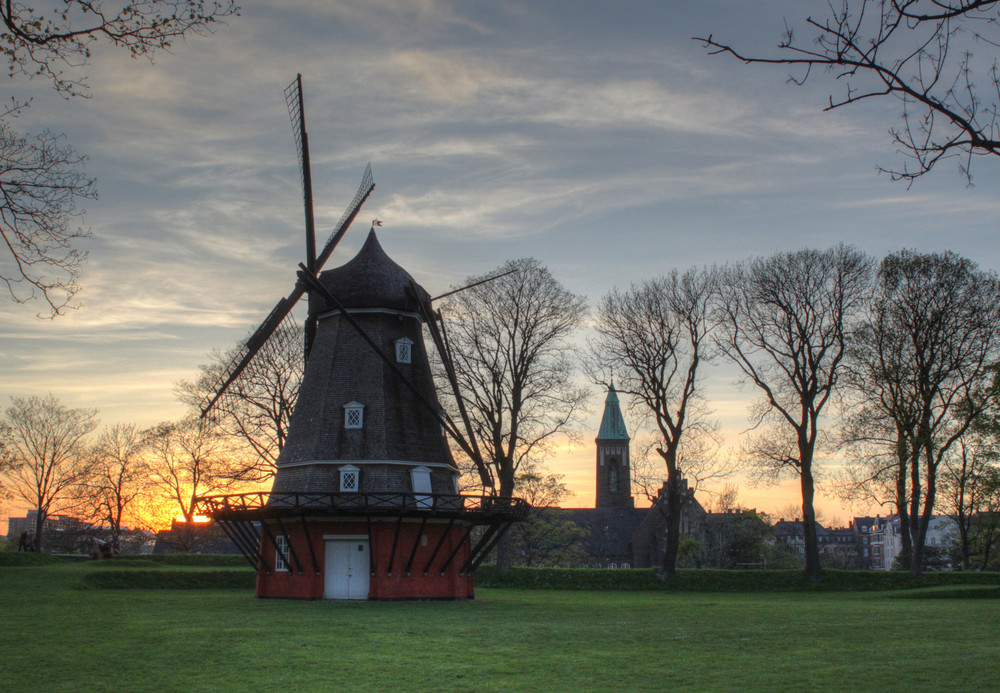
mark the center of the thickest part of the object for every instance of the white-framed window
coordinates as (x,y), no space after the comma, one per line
(420,477)
(350,478)
(354,415)
(626,565)
(613,566)
(281,541)
(404,350)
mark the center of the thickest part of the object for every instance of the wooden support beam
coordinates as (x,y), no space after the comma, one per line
(309,543)
(487,535)
(395,543)
(253,540)
(251,556)
(458,547)
(504,526)
(371,546)
(416,543)
(277,551)
(291,547)
(444,535)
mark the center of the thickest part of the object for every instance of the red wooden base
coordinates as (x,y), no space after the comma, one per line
(408,560)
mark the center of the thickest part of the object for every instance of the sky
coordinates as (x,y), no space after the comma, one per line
(597,137)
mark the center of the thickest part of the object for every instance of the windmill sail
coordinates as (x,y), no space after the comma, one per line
(284,306)
(364,190)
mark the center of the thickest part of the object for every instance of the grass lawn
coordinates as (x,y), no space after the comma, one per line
(56,635)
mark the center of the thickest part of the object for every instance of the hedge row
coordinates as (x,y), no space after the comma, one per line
(170,579)
(721,580)
(220,560)
(20,558)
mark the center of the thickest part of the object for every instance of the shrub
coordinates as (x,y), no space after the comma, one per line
(721,580)
(162,578)
(221,560)
(21,558)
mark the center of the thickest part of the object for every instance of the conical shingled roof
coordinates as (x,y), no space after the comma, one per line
(613,423)
(370,280)
(397,431)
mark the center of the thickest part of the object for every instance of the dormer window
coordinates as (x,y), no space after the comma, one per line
(404,350)
(354,415)
(349,478)
(420,477)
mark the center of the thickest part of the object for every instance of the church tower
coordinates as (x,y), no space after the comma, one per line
(614,472)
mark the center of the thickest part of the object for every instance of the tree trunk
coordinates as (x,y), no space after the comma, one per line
(39,526)
(674,506)
(668,567)
(813,569)
(503,547)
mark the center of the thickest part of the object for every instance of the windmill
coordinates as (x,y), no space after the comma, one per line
(365,501)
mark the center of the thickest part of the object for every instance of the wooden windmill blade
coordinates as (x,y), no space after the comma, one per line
(256,341)
(297,114)
(347,218)
(284,306)
(294,99)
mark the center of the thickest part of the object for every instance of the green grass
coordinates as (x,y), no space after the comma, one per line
(57,634)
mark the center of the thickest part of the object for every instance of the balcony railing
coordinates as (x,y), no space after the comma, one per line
(262,505)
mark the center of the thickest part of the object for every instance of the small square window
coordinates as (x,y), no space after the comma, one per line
(349,478)
(354,415)
(404,350)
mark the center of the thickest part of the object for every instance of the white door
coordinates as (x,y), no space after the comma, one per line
(347,569)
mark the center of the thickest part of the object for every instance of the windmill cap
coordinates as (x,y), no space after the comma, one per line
(370,280)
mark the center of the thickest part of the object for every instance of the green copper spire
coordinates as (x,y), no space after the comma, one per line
(612,424)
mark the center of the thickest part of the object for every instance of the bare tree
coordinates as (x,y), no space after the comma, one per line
(41,177)
(919,52)
(654,337)
(965,489)
(120,476)
(41,181)
(46,41)
(786,322)
(515,364)
(547,537)
(921,375)
(44,446)
(257,407)
(187,459)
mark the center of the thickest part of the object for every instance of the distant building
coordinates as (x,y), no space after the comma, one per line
(621,535)
(887,541)
(60,533)
(862,528)
(193,537)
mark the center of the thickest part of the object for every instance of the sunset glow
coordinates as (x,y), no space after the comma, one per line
(605,143)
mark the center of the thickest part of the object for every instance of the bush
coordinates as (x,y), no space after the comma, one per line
(721,580)
(221,560)
(20,558)
(128,563)
(162,578)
